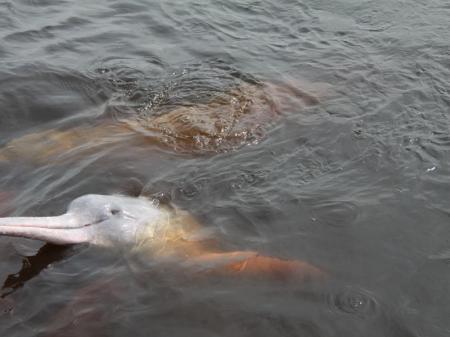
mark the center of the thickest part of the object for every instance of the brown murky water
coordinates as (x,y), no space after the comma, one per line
(309,131)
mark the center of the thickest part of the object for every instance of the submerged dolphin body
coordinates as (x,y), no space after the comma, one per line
(116,220)
(229,120)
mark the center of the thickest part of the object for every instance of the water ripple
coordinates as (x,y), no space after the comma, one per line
(335,213)
(354,301)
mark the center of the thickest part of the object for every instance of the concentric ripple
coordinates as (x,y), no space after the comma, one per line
(354,301)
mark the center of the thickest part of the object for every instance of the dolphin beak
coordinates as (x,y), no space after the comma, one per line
(61,230)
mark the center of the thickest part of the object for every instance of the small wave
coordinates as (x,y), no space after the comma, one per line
(335,213)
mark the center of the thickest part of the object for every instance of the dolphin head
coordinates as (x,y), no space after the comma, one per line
(92,218)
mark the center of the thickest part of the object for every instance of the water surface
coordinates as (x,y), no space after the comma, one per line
(357,184)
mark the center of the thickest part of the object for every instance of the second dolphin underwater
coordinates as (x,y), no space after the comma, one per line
(229,120)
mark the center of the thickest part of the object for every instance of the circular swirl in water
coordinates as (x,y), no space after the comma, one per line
(354,301)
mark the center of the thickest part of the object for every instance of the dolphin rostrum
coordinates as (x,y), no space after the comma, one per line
(97,219)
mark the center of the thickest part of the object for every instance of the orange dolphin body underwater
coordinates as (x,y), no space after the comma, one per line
(242,115)
(161,232)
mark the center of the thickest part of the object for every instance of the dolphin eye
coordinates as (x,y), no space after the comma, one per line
(115,211)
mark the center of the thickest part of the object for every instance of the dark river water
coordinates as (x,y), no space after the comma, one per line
(356,184)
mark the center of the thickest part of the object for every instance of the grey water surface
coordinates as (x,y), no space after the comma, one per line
(358,184)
